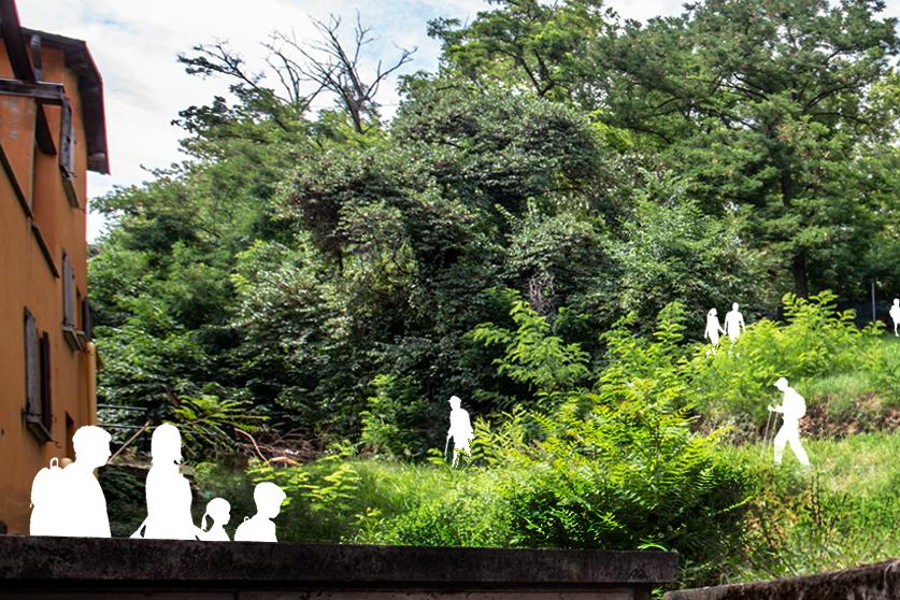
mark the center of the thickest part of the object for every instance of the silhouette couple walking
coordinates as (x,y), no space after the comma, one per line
(70,501)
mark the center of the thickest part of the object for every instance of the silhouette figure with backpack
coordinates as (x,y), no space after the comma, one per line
(69,501)
(260,527)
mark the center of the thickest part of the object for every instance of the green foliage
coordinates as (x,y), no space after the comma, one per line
(618,466)
(671,252)
(532,355)
(126,505)
(536,46)
(883,368)
(735,384)
(394,422)
(208,424)
(766,107)
(840,516)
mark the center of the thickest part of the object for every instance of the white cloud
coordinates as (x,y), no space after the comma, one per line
(135,45)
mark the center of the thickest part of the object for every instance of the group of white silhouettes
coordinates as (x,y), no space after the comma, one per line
(792,407)
(70,502)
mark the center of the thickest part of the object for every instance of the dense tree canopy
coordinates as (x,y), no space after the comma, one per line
(328,270)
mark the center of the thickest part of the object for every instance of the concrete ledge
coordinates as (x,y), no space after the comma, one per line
(873,582)
(47,564)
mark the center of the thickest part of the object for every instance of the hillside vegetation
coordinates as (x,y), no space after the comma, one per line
(540,229)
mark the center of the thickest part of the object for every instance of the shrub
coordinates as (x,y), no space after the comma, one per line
(734,385)
(619,466)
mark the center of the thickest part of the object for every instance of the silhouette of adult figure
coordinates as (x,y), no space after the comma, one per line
(70,501)
(792,409)
(260,528)
(734,323)
(168,492)
(895,315)
(713,328)
(460,429)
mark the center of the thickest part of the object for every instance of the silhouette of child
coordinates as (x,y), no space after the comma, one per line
(260,528)
(220,511)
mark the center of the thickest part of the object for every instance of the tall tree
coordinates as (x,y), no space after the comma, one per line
(766,103)
(536,45)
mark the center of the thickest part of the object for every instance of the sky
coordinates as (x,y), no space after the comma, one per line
(135,45)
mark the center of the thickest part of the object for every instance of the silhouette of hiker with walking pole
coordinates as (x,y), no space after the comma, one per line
(460,430)
(792,409)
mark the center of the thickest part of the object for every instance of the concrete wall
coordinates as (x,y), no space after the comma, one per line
(871,582)
(124,568)
(27,280)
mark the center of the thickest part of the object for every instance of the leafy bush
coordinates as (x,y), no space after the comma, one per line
(734,385)
(395,420)
(883,366)
(619,466)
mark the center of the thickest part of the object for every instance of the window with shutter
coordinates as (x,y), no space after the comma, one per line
(87,319)
(31,365)
(67,151)
(38,415)
(69,304)
(46,408)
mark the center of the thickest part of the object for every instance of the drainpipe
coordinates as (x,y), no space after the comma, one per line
(91,351)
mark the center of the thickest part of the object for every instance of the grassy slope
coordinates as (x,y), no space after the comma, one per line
(842,512)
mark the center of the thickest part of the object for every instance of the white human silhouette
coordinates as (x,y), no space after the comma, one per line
(260,528)
(70,501)
(895,315)
(220,511)
(460,429)
(734,323)
(168,492)
(713,328)
(792,409)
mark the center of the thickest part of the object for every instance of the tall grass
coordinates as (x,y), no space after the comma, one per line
(842,512)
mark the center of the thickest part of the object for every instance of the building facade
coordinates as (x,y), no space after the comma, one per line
(52,131)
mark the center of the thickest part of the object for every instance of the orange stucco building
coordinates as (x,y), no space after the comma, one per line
(52,131)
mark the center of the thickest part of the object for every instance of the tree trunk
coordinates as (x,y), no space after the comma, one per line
(798,266)
(798,262)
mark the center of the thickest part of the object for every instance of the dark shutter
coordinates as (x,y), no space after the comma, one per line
(38,416)
(67,141)
(68,282)
(87,319)
(32,407)
(46,408)
(67,152)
